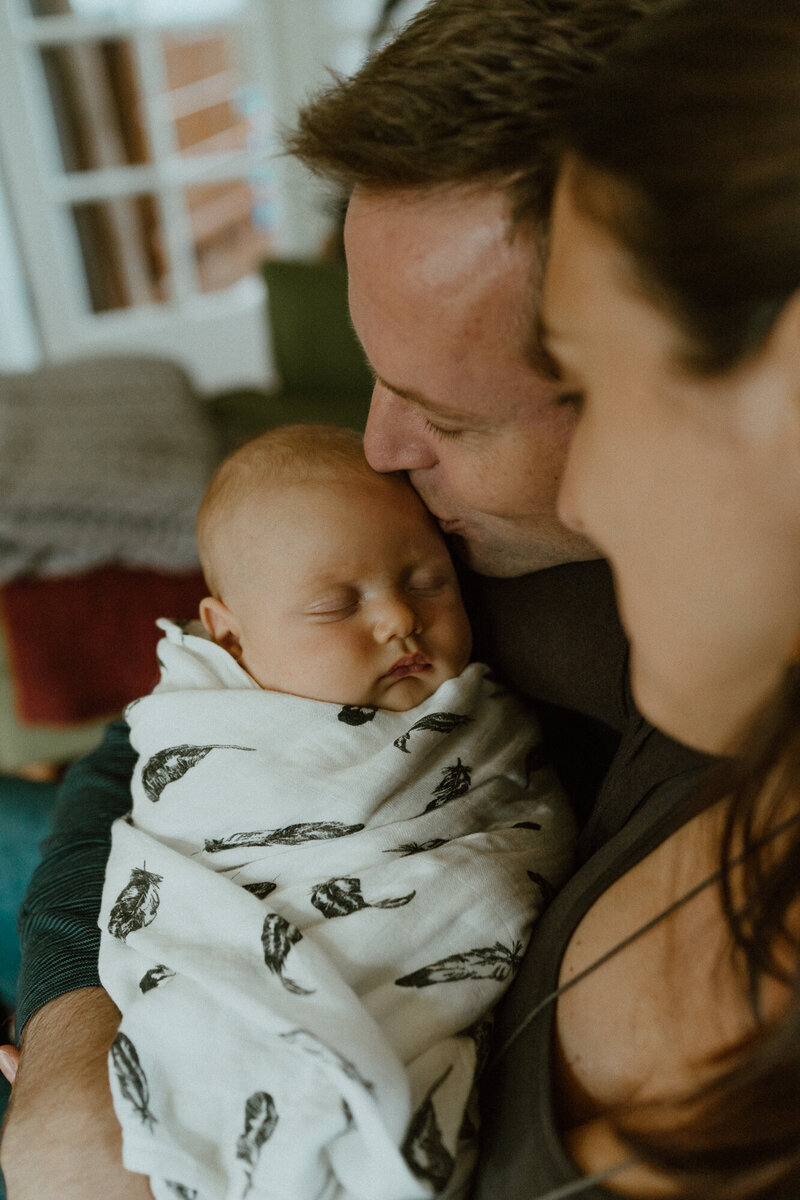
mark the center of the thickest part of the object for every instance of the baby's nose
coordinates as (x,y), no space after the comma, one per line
(395,618)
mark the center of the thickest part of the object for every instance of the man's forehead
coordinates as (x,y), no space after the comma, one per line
(439,235)
(443,299)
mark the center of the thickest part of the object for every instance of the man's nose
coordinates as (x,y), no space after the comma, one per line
(394,618)
(394,437)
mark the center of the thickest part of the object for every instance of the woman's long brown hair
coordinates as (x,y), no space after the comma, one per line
(686,147)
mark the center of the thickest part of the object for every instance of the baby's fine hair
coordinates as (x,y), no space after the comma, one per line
(281,457)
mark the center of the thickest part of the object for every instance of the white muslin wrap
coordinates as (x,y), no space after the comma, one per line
(306,918)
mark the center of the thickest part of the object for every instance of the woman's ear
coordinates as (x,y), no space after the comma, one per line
(221,625)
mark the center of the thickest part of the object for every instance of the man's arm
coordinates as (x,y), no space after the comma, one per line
(61,1137)
(58,929)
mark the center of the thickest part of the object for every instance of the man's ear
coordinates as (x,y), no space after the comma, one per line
(221,625)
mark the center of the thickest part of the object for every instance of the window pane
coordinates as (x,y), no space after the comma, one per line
(96,104)
(204,79)
(123,252)
(227,242)
(159,11)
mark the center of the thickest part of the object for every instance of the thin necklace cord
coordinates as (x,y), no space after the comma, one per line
(627,941)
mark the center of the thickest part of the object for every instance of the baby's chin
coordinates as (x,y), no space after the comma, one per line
(410,691)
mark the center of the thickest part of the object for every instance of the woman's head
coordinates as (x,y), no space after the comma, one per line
(685,148)
(671,304)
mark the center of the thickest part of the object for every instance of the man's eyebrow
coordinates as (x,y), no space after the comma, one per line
(418,398)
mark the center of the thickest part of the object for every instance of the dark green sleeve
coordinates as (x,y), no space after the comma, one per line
(58,928)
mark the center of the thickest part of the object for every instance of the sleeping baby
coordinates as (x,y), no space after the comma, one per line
(342,831)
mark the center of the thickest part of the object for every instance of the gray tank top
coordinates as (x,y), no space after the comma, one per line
(522,1155)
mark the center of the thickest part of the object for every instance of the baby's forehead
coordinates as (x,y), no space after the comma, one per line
(325,515)
(348,486)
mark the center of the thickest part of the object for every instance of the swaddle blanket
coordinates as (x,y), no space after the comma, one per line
(307,917)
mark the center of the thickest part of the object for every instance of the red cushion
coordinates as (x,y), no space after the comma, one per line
(82,646)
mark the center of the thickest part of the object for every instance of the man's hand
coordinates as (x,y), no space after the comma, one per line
(61,1139)
(9,1063)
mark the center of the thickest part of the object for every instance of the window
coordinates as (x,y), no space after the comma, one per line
(137,142)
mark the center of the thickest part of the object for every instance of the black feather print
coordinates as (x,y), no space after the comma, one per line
(260,890)
(173,763)
(406,848)
(544,885)
(136,905)
(440,722)
(487,962)
(289,835)
(455,782)
(260,1119)
(181,1190)
(311,1044)
(154,977)
(355,714)
(277,938)
(481,1034)
(131,1078)
(423,1147)
(342,896)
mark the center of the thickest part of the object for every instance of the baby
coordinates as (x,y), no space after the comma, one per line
(342,832)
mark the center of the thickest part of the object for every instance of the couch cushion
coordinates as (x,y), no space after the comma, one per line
(84,646)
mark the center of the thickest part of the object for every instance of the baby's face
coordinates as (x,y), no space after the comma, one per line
(345,592)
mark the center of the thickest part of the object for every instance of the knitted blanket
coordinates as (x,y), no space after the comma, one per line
(102,460)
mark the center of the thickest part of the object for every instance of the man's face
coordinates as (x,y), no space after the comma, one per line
(441,299)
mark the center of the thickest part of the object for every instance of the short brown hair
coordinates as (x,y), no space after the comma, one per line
(469,93)
(289,454)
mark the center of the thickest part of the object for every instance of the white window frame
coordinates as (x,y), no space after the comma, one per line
(219,336)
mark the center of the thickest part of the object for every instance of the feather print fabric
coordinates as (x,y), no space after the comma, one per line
(260,1119)
(339,897)
(131,1078)
(277,938)
(488,962)
(304,931)
(423,1148)
(171,764)
(137,904)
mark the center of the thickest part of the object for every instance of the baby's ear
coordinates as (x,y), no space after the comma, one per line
(221,625)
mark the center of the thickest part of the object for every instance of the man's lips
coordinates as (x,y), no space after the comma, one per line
(412,664)
(447,526)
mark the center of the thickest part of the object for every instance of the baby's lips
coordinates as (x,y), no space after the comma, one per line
(409,663)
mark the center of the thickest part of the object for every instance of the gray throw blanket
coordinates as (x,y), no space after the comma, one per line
(102,460)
